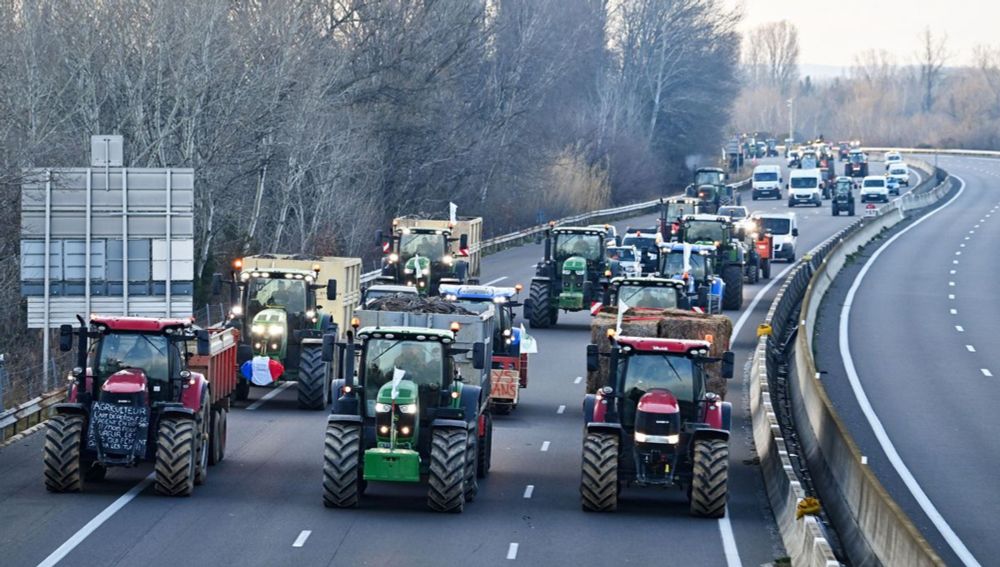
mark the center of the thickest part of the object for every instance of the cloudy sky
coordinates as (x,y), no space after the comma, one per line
(826,37)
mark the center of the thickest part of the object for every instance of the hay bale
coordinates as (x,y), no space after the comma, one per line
(691,325)
(638,322)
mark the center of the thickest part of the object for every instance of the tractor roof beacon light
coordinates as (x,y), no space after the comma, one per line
(238,264)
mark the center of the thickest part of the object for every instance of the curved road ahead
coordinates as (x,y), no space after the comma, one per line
(263,499)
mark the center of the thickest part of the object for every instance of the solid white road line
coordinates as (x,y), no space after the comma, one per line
(81,534)
(268,396)
(561,409)
(959,329)
(970,348)
(498,280)
(545,446)
(301,540)
(529,490)
(878,429)
(512,551)
(986,372)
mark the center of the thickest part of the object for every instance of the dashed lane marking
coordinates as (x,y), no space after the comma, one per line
(301,540)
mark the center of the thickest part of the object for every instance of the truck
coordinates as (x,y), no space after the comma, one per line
(143,390)
(570,276)
(511,345)
(282,316)
(420,252)
(409,414)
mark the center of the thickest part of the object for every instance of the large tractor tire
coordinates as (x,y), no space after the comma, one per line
(63,443)
(203,431)
(242,391)
(709,482)
(599,477)
(176,451)
(217,441)
(471,466)
(485,449)
(314,385)
(542,313)
(732,297)
(765,269)
(446,492)
(342,484)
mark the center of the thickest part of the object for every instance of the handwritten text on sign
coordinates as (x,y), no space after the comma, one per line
(121,430)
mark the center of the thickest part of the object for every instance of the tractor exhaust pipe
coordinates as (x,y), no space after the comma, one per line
(548,245)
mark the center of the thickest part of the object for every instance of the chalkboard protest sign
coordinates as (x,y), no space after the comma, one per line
(121,430)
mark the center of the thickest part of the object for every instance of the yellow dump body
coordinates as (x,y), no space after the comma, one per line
(472,226)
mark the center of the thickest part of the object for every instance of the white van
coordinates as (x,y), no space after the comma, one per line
(766,182)
(804,187)
(874,188)
(900,172)
(784,229)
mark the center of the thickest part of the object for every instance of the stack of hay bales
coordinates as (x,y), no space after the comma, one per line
(664,324)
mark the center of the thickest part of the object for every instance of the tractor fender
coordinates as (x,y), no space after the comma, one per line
(176,410)
(709,433)
(473,402)
(69,408)
(451,424)
(344,404)
(600,427)
(195,391)
(542,279)
(727,416)
(588,407)
(343,418)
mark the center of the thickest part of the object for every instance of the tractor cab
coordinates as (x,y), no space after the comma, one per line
(710,189)
(694,265)
(730,252)
(648,292)
(671,213)
(706,229)
(421,257)
(857,164)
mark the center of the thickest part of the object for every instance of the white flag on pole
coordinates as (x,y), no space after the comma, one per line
(397,377)
(452,212)
(687,258)
(622,308)
(528,343)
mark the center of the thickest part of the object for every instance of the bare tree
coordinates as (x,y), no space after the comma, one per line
(931,58)
(774,48)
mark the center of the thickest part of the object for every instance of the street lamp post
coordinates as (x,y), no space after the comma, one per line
(791,118)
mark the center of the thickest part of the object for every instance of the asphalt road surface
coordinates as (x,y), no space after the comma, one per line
(263,505)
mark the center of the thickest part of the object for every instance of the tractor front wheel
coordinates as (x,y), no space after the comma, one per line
(733,295)
(342,466)
(314,384)
(709,482)
(446,492)
(63,443)
(175,456)
(542,315)
(485,448)
(599,477)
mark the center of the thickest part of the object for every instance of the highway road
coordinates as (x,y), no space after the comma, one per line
(925,362)
(263,506)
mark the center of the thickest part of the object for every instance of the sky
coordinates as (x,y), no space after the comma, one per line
(826,37)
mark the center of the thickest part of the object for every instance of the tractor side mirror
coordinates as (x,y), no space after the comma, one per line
(379,237)
(347,368)
(479,356)
(728,362)
(65,338)
(331,289)
(216,284)
(204,347)
(593,358)
(463,243)
(795,232)
(329,347)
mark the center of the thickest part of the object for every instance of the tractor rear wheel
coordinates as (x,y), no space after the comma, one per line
(313,383)
(485,448)
(471,466)
(342,466)
(733,295)
(242,391)
(766,269)
(709,481)
(446,492)
(217,444)
(202,435)
(541,307)
(63,443)
(599,478)
(175,456)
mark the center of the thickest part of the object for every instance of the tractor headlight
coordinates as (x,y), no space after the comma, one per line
(567,272)
(275,330)
(447,260)
(404,430)
(393,258)
(383,408)
(311,315)
(408,409)
(407,270)
(664,439)
(425,271)
(257,329)
(236,311)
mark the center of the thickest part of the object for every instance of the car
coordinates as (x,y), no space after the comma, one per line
(625,261)
(784,229)
(648,244)
(843,196)
(892,184)
(900,172)
(766,182)
(892,157)
(735,212)
(874,188)
(804,187)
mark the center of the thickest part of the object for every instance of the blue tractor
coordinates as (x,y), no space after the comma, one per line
(694,265)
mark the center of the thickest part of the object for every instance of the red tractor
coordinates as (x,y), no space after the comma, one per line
(656,425)
(139,393)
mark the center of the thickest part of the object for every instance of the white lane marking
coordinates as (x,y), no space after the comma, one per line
(512,551)
(954,261)
(89,528)
(756,299)
(959,328)
(962,245)
(561,409)
(578,380)
(959,253)
(986,372)
(498,280)
(967,237)
(972,232)
(976,226)
(729,541)
(982,220)
(953,271)
(951,284)
(268,396)
(545,446)
(954,311)
(970,348)
(885,442)
(951,296)
(301,540)
(529,490)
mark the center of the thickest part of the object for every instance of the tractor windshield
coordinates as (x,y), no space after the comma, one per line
(645,372)
(133,350)
(274,292)
(421,361)
(857,158)
(433,246)
(673,265)
(656,297)
(678,210)
(622,254)
(704,231)
(709,178)
(644,243)
(572,244)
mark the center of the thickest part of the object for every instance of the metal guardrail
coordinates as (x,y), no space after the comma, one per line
(24,416)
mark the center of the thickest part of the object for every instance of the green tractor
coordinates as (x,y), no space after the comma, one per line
(570,277)
(710,189)
(410,417)
(421,257)
(730,253)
